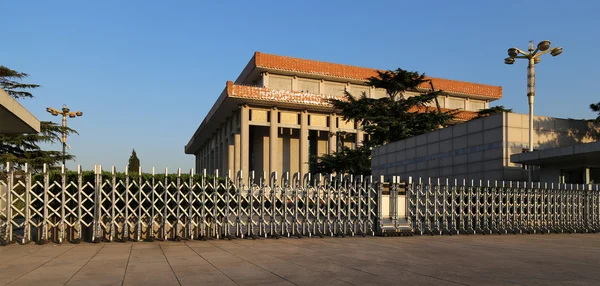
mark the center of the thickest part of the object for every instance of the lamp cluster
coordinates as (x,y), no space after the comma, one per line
(65,112)
(533,53)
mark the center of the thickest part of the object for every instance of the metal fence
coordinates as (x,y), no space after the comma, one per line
(108,208)
(453,207)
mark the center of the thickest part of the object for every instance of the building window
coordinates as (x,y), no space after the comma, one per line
(456,103)
(476,105)
(250,114)
(334,89)
(305,85)
(284,83)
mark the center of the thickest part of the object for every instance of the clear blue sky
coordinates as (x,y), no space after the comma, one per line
(145,73)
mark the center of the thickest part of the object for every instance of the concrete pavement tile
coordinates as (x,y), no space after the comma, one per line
(106,268)
(151,278)
(59,270)
(13,269)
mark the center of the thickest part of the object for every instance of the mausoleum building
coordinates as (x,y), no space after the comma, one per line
(276,114)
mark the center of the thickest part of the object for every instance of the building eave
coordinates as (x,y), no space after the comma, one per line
(234,95)
(15,118)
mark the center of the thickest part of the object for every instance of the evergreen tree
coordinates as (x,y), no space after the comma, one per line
(25,148)
(595,107)
(134,162)
(14,88)
(388,119)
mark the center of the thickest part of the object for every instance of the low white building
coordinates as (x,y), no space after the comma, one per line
(479,149)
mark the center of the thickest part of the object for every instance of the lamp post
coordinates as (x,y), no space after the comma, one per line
(64,112)
(533,56)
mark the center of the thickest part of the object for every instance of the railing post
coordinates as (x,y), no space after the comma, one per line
(27,236)
(79,202)
(63,179)
(178,205)
(45,210)
(125,233)
(96,229)
(113,191)
(9,203)
(380,205)
(165,221)
(140,205)
(190,224)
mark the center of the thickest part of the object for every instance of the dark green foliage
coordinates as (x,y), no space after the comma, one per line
(595,107)
(347,161)
(14,88)
(492,111)
(134,163)
(89,176)
(385,120)
(19,149)
(394,117)
(25,148)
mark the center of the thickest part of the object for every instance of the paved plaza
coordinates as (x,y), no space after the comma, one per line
(468,260)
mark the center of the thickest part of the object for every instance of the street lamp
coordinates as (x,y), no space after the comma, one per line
(65,112)
(533,55)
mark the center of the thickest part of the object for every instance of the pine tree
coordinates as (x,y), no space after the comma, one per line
(388,119)
(25,148)
(595,107)
(14,88)
(134,162)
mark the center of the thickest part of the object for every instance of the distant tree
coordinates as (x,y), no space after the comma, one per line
(595,107)
(25,148)
(492,111)
(388,119)
(134,162)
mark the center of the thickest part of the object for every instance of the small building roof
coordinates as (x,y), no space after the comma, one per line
(14,118)
(584,154)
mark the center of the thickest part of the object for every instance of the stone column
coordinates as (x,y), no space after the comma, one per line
(359,136)
(230,156)
(209,164)
(244,140)
(265,78)
(236,152)
(217,152)
(273,140)
(303,143)
(295,83)
(332,134)
(205,150)
(224,149)
(322,86)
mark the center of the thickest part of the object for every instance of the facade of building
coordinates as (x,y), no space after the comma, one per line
(481,149)
(572,164)
(276,114)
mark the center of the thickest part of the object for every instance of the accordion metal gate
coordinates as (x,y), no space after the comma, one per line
(461,207)
(109,207)
(106,206)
